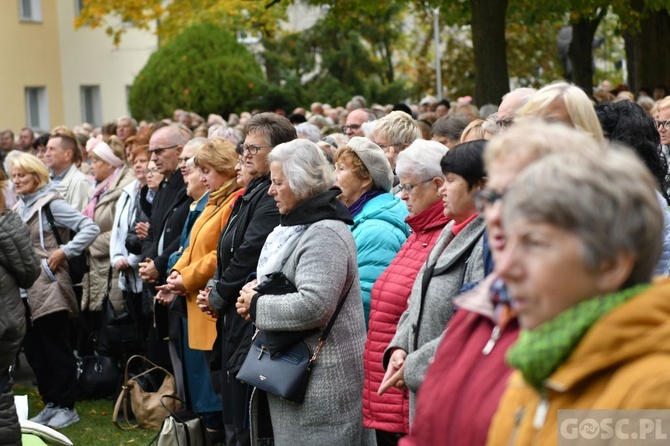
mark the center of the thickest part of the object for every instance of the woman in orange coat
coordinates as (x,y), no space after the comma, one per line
(583,235)
(216,161)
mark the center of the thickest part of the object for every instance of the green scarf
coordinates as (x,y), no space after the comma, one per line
(538,352)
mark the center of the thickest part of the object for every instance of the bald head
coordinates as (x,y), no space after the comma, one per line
(513,101)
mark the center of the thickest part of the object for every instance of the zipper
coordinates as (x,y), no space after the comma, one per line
(518,416)
(541,412)
(495,335)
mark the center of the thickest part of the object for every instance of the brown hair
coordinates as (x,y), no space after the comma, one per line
(348,156)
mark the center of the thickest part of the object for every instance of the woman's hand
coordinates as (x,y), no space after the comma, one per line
(244,301)
(122,264)
(203,302)
(176,284)
(148,271)
(395,373)
(142,229)
(56,259)
(164,296)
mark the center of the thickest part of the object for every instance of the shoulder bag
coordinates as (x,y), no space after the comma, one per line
(78,266)
(143,392)
(285,374)
(180,428)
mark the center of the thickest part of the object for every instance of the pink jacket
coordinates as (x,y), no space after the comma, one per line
(390,412)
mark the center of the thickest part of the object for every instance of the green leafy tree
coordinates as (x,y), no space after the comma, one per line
(203,69)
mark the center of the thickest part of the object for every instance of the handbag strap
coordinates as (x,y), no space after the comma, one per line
(331,322)
(122,401)
(154,367)
(52,223)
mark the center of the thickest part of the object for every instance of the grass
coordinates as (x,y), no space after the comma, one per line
(95,426)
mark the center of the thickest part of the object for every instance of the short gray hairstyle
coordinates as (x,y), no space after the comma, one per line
(305,166)
(421,160)
(308,131)
(607,199)
(123,118)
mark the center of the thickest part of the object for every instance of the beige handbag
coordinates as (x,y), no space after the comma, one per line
(143,392)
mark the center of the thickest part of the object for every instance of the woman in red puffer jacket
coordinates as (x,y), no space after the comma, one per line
(418,167)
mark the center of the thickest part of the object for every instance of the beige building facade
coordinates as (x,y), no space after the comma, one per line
(55,74)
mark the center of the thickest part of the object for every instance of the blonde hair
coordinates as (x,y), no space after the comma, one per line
(531,140)
(474,130)
(398,127)
(218,153)
(30,164)
(576,102)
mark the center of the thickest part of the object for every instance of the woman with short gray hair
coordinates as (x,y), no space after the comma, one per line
(313,225)
(418,167)
(584,233)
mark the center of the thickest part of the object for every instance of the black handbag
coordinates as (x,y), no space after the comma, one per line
(97,376)
(278,341)
(119,330)
(285,374)
(77,265)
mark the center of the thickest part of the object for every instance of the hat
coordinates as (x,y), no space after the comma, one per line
(375,161)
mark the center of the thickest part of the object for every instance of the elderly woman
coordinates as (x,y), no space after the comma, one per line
(215,168)
(50,300)
(562,102)
(595,332)
(312,218)
(418,167)
(449,409)
(455,259)
(448,129)
(122,260)
(111,175)
(365,177)
(19,268)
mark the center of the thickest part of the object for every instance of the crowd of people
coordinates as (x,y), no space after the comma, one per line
(484,268)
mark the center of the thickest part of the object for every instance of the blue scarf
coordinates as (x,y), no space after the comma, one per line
(357,207)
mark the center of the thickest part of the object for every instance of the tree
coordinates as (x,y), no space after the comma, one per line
(203,69)
(169,18)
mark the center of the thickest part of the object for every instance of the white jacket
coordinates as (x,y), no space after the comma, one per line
(123,218)
(75,188)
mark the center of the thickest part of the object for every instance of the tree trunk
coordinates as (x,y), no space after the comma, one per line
(646,52)
(581,51)
(488,41)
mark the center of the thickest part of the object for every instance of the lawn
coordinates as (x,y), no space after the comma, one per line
(95,426)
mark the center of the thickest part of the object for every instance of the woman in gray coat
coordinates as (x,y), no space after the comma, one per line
(19,268)
(314,248)
(455,260)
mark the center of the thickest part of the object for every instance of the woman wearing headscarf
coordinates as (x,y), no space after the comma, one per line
(365,177)
(111,174)
(50,301)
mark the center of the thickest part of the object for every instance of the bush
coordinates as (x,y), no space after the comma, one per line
(204,69)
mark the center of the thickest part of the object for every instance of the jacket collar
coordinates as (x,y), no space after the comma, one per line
(324,206)
(430,218)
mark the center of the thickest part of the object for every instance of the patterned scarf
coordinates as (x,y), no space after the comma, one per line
(277,248)
(99,191)
(540,351)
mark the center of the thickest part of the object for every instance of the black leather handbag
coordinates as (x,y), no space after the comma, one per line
(119,330)
(97,376)
(286,373)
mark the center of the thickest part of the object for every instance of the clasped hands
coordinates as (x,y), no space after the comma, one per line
(244,300)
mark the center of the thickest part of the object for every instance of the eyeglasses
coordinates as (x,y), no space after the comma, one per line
(159,150)
(150,171)
(664,124)
(254,148)
(504,122)
(408,187)
(352,127)
(486,198)
(183,159)
(384,146)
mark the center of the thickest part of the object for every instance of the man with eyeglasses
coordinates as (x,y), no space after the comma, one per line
(355,120)
(662,123)
(254,216)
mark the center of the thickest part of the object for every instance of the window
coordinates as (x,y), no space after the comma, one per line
(91,105)
(37,108)
(30,10)
(78,6)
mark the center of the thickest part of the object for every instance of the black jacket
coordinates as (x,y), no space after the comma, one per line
(142,214)
(169,211)
(254,216)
